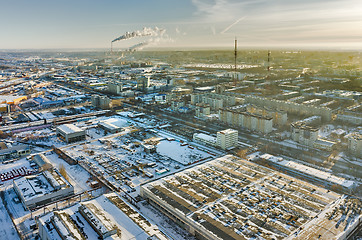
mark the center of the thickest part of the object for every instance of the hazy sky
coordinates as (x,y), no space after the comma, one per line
(188,23)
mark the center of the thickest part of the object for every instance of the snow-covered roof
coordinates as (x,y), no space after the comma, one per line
(69,128)
(309,170)
(33,186)
(205,137)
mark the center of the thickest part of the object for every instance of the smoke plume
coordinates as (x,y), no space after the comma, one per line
(138,46)
(143,33)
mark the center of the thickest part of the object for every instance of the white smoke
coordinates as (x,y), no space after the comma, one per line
(138,46)
(155,32)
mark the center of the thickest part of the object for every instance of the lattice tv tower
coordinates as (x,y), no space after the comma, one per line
(235,56)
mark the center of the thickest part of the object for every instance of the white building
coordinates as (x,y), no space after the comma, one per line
(37,190)
(70,133)
(204,139)
(106,217)
(355,143)
(227,138)
(115,87)
(113,125)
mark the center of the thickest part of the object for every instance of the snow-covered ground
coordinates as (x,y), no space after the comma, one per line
(183,154)
(15,165)
(78,176)
(7,229)
(164,223)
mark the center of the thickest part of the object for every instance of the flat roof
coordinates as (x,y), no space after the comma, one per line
(309,170)
(110,211)
(69,128)
(205,137)
(228,131)
(231,198)
(33,186)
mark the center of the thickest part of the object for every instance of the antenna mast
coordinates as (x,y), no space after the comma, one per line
(236,55)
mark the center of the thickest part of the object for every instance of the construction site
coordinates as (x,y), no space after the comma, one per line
(230,198)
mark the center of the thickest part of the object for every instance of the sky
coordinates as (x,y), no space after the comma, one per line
(51,24)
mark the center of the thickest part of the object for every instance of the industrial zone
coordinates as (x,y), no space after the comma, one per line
(180,145)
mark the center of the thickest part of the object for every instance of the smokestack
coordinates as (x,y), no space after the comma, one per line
(236,55)
(111,47)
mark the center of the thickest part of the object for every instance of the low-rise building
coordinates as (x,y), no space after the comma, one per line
(204,139)
(46,187)
(113,125)
(324,144)
(311,174)
(71,133)
(14,152)
(106,217)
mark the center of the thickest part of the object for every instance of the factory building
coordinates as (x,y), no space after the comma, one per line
(70,133)
(324,144)
(100,101)
(42,162)
(355,143)
(308,173)
(215,101)
(37,190)
(113,125)
(227,138)
(231,198)
(175,105)
(204,139)
(105,217)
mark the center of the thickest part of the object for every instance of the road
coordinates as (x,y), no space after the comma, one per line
(303,154)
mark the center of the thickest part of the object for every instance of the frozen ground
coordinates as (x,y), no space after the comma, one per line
(182,154)
(7,229)
(164,223)
(78,176)
(15,165)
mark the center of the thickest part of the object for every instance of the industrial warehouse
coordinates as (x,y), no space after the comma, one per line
(230,198)
(41,189)
(106,217)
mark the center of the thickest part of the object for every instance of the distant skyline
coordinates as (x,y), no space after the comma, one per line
(311,24)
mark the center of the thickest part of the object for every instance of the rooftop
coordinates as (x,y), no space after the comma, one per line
(230,198)
(309,170)
(69,128)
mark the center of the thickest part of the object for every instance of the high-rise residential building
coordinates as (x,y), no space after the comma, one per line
(143,83)
(115,87)
(227,138)
(355,143)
